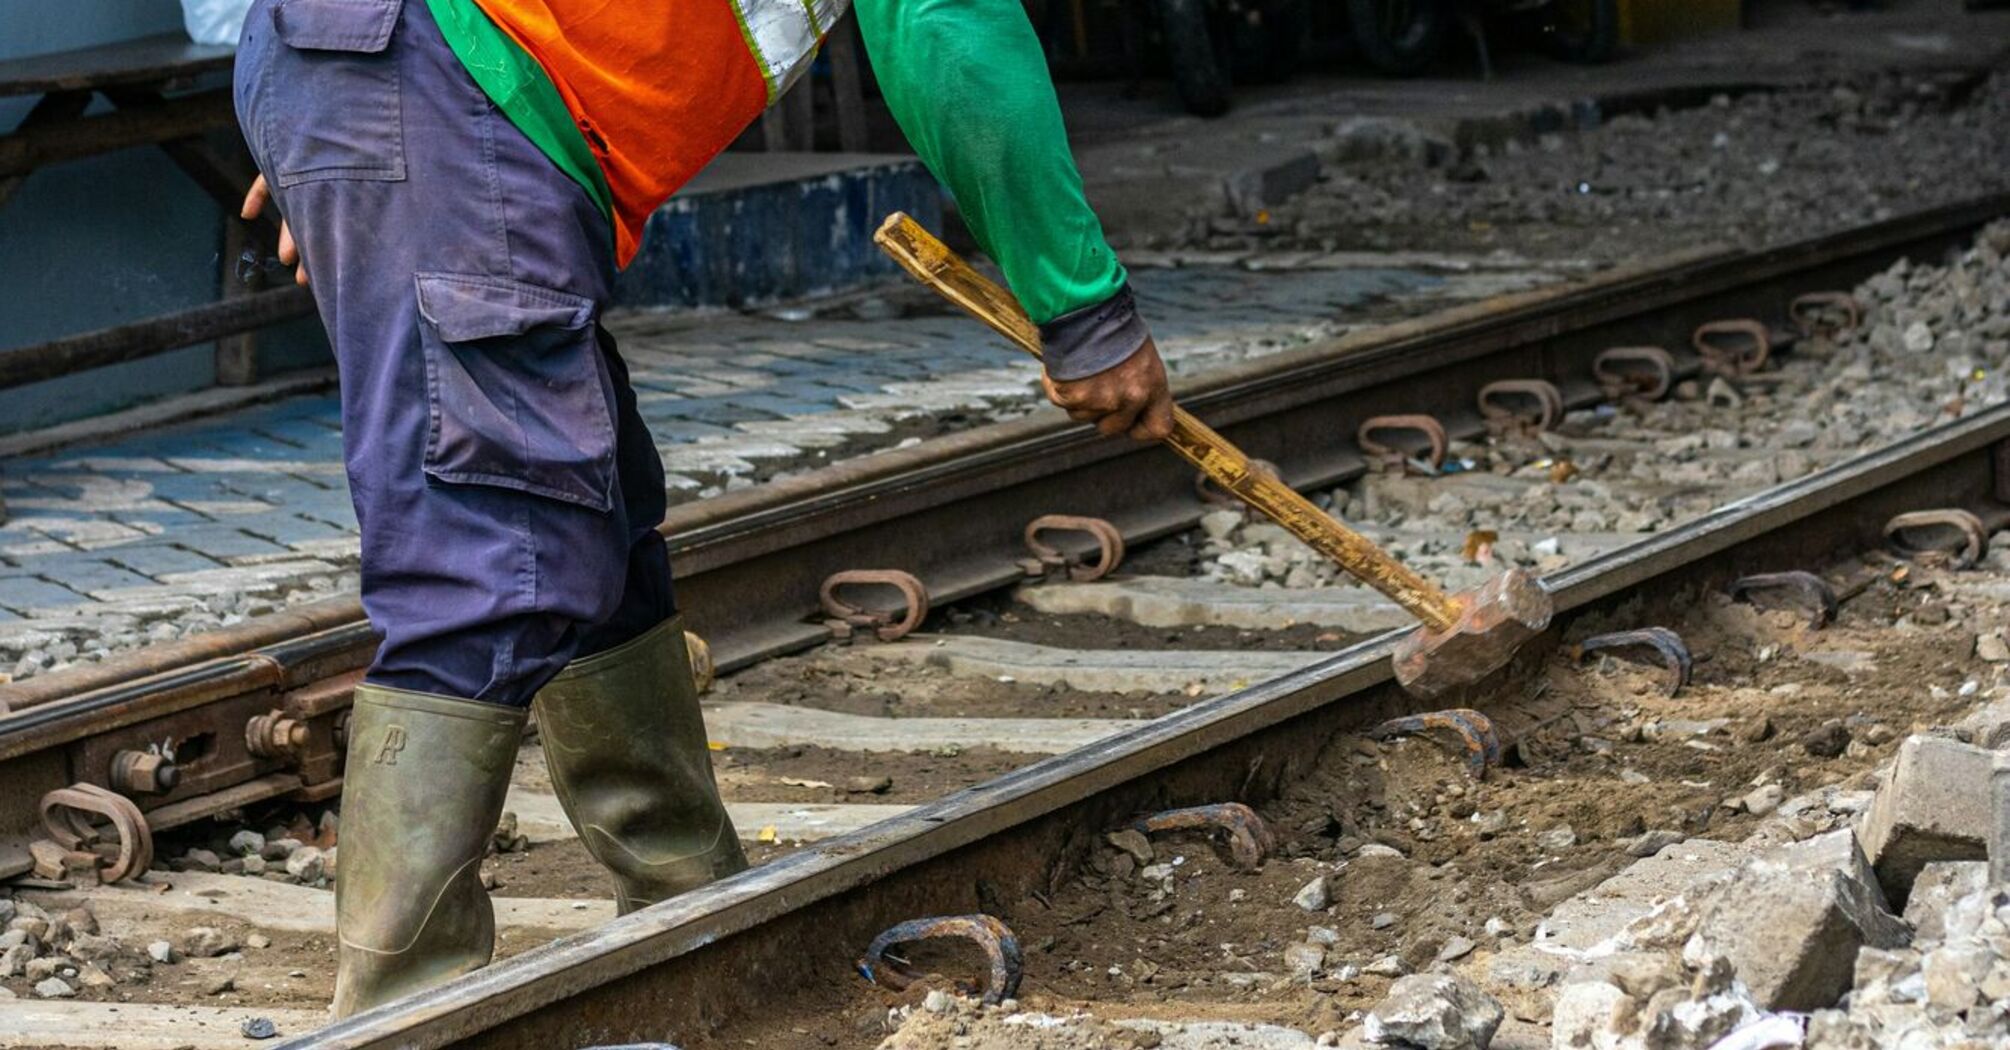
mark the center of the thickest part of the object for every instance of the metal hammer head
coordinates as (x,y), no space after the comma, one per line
(1495,618)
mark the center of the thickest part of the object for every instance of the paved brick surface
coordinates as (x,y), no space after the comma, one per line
(175,531)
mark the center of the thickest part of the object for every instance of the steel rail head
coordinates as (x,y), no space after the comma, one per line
(999,944)
(1646,372)
(1825,313)
(1674,652)
(1529,406)
(1812,590)
(1395,460)
(1474,730)
(66,816)
(1913,534)
(1249,838)
(1733,348)
(1048,558)
(846,617)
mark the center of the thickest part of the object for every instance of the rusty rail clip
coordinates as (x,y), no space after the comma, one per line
(1908,535)
(1211,493)
(847,618)
(1640,371)
(1813,588)
(1497,408)
(1047,558)
(1392,460)
(1475,730)
(1674,651)
(1000,944)
(1249,838)
(66,815)
(1734,360)
(1816,313)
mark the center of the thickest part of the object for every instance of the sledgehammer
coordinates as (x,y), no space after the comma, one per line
(1465,636)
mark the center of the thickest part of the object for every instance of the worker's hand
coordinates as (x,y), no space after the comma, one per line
(1130,398)
(289,253)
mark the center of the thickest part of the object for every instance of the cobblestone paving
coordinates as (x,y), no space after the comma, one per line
(176,531)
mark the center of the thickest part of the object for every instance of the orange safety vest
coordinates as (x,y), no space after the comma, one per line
(660,87)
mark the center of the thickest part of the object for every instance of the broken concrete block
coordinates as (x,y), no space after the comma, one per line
(1939,885)
(1434,1011)
(1790,922)
(1933,804)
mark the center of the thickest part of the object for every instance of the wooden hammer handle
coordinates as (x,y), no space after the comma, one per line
(933,264)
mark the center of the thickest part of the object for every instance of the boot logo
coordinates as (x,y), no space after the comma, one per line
(394,742)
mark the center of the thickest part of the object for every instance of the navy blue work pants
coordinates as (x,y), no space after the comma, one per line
(507,490)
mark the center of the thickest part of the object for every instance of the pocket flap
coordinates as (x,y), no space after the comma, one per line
(462,308)
(362,26)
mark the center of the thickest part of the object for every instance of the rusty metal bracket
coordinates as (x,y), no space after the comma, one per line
(1733,357)
(1498,406)
(1825,313)
(1393,460)
(1475,731)
(66,816)
(1213,494)
(1249,838)
(1048,558)
(143,773)
(846,618)
(1673,650)
(1812,589)
(1646,372)
(1911,535)
(1000,945)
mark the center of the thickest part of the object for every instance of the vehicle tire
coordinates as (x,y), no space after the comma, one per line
(1584,31)
(1398,37)
(1268,40)
(1200,61)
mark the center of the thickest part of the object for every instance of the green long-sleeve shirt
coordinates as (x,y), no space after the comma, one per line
(968,83)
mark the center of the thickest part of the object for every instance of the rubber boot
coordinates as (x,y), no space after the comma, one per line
(422,790)
(625,743)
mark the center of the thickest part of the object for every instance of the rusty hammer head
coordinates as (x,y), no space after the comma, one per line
(1495,618)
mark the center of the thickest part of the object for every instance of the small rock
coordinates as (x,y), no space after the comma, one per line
(1434,1012)
(252,865)
(1456,948)
(304,864)
(1314,895)
(1382,920)
(247,843)
(201,860)
(1765,800)
(1649,843)
(1326,936)
(81,920)
(1133,842)
(1991,648)
(258,1028)
(868,785)
(220,984)
(1561,837)
(938,1001)
(1826,740)
(278,849)
(160,951)
(1387,966)
(1304,960)
(55,988)
(14,961)
(90,975)
(258,940)
(1377,849)
(207,942)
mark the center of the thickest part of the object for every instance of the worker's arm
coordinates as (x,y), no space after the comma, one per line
(967,82)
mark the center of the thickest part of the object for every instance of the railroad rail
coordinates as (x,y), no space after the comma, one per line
(255,712)
(691,964)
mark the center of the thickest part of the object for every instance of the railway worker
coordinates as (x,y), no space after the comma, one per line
(459,180)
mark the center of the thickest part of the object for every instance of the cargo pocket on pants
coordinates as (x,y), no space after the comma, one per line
(516,389)
(329,106)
